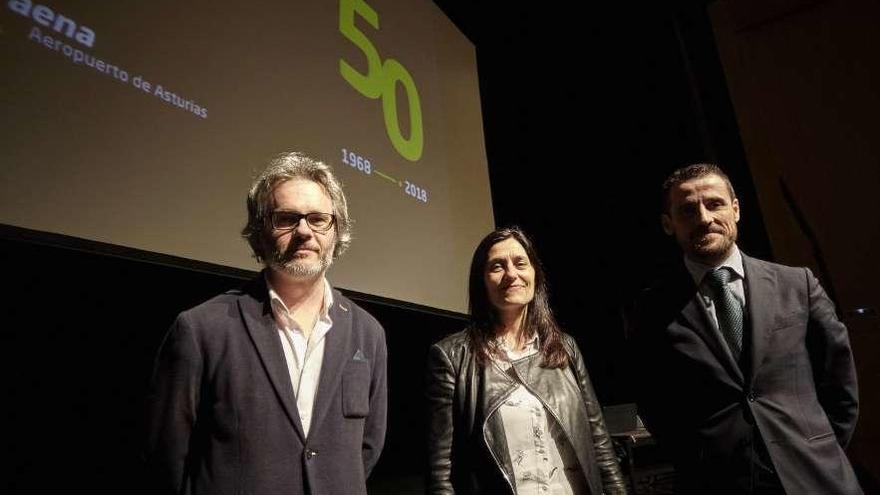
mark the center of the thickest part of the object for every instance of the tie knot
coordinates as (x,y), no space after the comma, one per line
(719,277)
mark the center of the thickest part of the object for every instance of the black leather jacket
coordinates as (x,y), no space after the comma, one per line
(467,445)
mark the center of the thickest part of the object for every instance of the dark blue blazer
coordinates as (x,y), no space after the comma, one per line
(223,416)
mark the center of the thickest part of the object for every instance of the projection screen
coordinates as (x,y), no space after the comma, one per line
(142,124)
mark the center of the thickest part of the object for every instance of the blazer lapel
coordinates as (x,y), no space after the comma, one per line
(761,292)
(695,316)
(337,352)
(260,325)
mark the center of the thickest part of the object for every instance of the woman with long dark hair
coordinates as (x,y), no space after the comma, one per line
(512,409)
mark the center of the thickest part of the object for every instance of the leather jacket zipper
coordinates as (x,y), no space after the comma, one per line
(552,413)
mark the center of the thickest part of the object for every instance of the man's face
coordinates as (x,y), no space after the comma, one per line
(702,216)
(301,252)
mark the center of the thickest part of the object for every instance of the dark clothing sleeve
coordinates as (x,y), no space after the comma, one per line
(832,361)
(440,392)
(376,421)
(606,459)
(663,385)
(172,406)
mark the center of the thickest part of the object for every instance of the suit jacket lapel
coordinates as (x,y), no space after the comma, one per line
(337,353)
(258,320)
(761,300)
(696,317)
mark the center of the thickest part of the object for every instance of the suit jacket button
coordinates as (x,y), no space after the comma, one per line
(751,397)
(311,454)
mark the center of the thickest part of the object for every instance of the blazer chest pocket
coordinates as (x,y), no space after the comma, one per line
(356,389)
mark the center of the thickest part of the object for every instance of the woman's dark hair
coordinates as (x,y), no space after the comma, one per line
(539,318)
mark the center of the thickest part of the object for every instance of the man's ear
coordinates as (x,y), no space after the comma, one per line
(735,205)
(666,222)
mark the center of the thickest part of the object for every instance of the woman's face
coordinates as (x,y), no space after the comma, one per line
(509,276)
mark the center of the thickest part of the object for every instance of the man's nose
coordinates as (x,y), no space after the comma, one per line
(302,228)
(703,215)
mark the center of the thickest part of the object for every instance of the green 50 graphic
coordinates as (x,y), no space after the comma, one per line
(381,80)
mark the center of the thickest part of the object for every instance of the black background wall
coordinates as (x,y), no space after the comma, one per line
(586,109)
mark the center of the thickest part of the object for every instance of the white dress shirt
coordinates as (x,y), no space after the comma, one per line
(304,357)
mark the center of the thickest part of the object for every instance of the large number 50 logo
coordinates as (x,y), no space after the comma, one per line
(381,80)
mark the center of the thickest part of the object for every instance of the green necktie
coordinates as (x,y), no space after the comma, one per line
(728,310)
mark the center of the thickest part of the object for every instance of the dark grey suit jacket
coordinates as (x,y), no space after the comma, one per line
(222,412)
(798,385)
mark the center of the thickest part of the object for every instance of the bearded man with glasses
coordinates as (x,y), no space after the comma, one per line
(279,387)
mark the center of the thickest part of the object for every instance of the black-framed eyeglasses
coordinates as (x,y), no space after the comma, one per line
(288,220)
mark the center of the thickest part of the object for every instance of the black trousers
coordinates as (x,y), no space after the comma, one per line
(748,470)
(755,475)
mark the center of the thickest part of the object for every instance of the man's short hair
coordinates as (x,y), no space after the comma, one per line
(691,172)
(261,200)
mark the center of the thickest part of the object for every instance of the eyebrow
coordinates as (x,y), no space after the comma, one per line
(515,257)
(295,212)
(699,199)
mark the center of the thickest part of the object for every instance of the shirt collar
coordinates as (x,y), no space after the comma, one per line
(530,347)
(283,315)
(734,262)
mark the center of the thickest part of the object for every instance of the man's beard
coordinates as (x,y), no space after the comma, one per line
(288,263)
(712,251)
